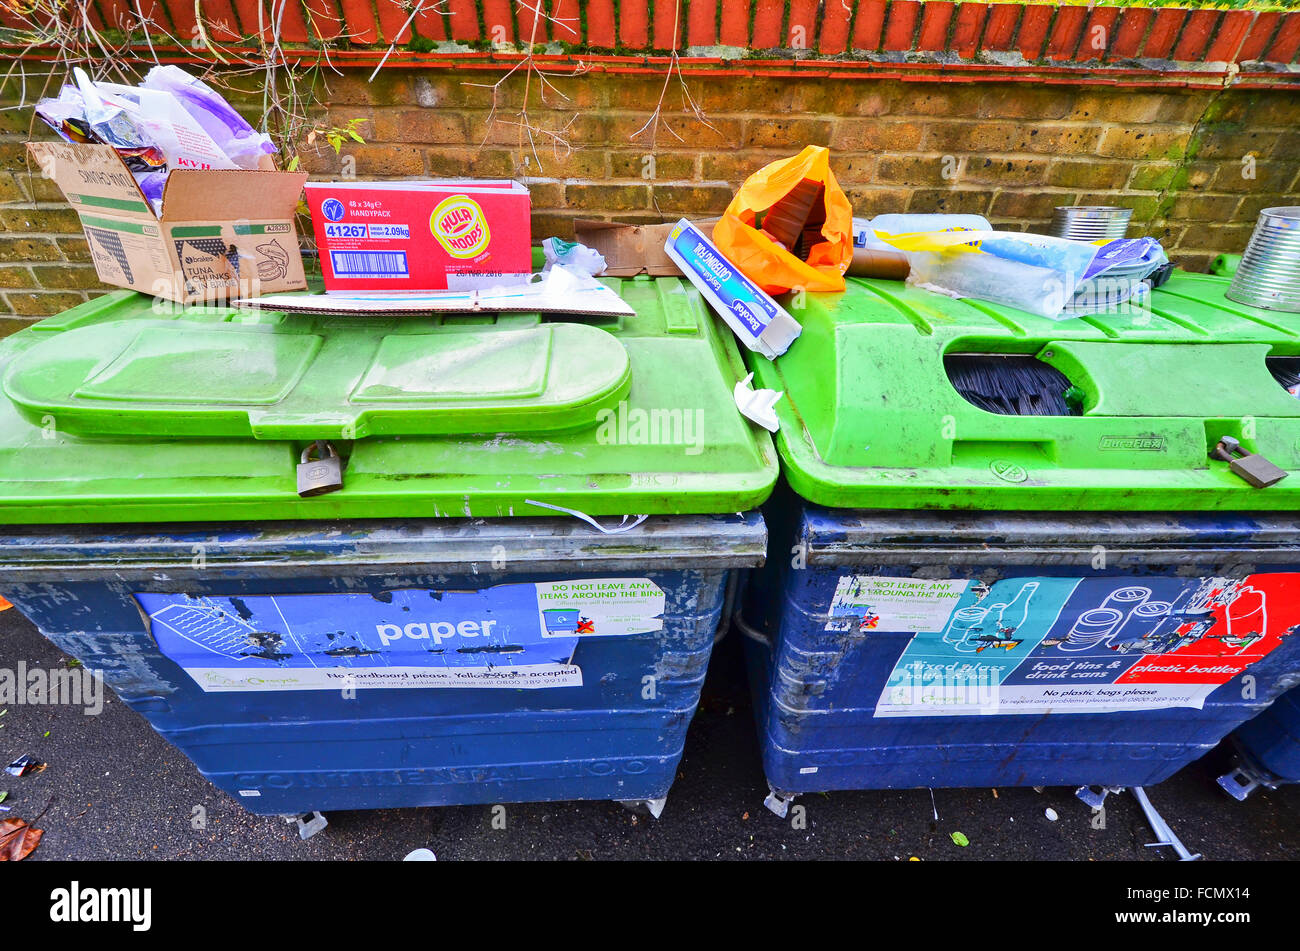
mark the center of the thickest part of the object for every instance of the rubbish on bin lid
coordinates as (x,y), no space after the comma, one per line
(761,323)
(1089,222)
(872,257)
(107,118)
(183,233)
(1160,275)
(18,839)
(238,141)
(66,115)
(1268,274)
(757,404)
(419,236)
(1051,814)
(619,529)
(577,257)
(23,765)
(171,120)
(807,222)
(790,215)
(560,291)
(161,120)
(1050,277)
(420,855)
(888,265)
(960,839)
(631,249)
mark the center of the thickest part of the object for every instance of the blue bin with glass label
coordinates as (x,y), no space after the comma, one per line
(1027,664)
(1004,553)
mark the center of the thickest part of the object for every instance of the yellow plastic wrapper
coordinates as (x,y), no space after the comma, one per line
(764,261)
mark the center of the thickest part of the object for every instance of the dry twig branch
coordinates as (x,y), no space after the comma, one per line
(529,132)
(688,101)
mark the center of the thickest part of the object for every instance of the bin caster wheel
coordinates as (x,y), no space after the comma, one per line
(309,823)
(645,807)
(1094,796)
(779,803)
(1241,782)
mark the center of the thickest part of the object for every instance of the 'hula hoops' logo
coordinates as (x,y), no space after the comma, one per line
(460,226)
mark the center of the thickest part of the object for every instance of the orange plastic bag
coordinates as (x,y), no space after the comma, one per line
(764,261)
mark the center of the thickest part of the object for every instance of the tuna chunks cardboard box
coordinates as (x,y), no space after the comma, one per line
(223,234)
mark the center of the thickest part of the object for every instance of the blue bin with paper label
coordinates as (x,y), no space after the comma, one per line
(979,576)
(491,571)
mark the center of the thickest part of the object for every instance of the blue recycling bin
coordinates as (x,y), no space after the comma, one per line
(1006,551)
(950,649)
(1268,749)
(378,665)
(499,580)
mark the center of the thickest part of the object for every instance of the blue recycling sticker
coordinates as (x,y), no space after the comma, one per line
(512,635)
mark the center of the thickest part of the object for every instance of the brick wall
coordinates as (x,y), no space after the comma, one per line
(1196,162)
(44,262)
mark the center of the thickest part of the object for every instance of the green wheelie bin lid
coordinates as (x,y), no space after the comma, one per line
(127,409)
(871,418)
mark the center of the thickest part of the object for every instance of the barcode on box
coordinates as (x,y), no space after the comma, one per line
(368,263)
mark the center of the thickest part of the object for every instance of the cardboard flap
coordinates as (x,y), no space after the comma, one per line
(231,195)
(91,177)
(630,249)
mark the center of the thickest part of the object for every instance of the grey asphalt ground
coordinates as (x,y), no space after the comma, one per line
(119,791)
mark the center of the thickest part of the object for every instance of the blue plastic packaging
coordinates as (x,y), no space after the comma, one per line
(760,323)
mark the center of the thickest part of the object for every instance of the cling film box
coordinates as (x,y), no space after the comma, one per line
(456,234)
(222,234)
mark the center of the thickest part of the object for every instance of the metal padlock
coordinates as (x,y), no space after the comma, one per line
(1251,466)
(321,475)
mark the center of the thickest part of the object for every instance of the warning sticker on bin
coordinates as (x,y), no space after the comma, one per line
(513,636)
(599,606)
(866,602)
(1035,645)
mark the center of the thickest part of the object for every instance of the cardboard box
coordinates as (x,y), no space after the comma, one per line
(223,234)
(414,236)
(630,249)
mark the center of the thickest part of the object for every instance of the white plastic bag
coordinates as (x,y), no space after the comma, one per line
(237,140)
